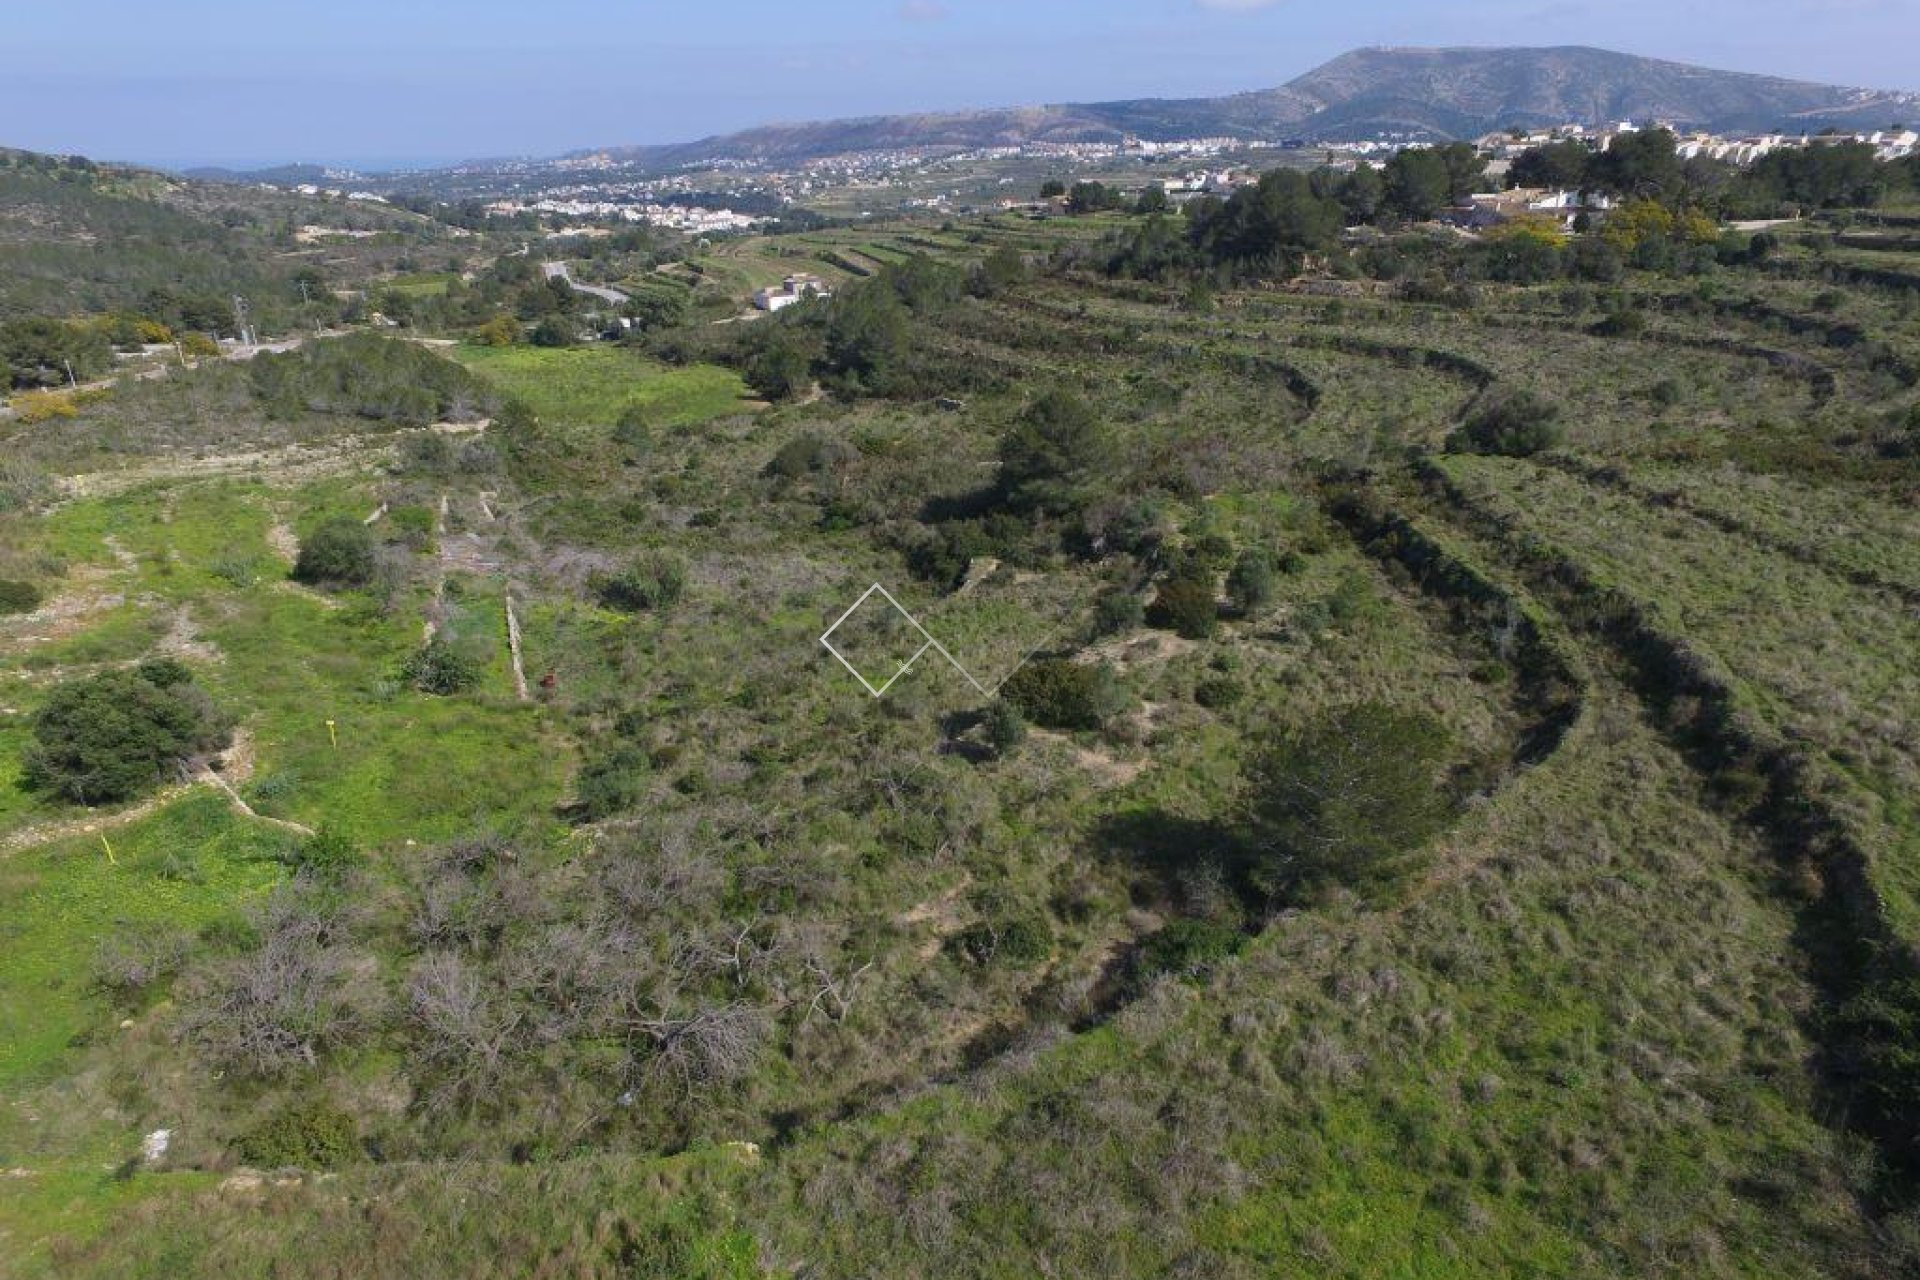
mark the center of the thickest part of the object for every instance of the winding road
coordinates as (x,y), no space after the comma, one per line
(558,271)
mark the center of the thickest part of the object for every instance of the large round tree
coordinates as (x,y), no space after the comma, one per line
(112,736)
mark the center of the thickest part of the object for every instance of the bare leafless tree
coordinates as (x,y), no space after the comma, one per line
(276,1007)
(463,1025)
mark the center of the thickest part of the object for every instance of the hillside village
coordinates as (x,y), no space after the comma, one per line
(725,197)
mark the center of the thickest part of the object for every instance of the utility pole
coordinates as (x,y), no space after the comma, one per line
(306,304)
(72,381)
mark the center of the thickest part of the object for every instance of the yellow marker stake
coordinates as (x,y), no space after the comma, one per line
(109,848)
(333,737)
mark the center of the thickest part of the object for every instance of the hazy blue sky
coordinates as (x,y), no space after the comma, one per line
(364,81)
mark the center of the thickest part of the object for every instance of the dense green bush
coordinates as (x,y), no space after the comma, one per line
(1005,728)
(1117,612)
(328,852)
(441,668)
(1250,584)
(1186,605)
(339,553)
(111,736)
(426,453)
(1019,941)
(1061,694)
(17,596)
(302,1135)
(1187,949)
(652,582)
(804,454)
(1218,692)
(1345,799)
(613,781)
(1512,424)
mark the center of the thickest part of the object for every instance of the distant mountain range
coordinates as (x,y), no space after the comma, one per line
(1416,94)
(1429,94)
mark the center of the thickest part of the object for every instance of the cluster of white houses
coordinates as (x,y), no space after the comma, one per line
(1888,144)
(689,218)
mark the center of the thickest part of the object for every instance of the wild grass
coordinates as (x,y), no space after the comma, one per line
(589,386)
(1579,1039)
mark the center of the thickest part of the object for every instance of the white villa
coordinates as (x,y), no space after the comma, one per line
(791,290)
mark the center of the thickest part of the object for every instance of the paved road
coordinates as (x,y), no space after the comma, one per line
(558,271)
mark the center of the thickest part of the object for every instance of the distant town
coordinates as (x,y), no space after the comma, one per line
(723,196)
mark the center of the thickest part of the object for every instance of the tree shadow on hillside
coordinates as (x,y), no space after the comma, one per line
(1180,858)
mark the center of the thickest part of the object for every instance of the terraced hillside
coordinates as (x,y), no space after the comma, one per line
(654,945)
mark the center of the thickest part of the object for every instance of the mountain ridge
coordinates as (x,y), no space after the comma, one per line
(1430,94)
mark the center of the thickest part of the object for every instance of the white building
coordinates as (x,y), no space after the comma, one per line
(791,290)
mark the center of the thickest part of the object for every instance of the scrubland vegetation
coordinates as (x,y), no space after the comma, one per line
(1443,799)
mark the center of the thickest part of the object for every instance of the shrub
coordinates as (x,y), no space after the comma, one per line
(613,782)
(1250,585)
(1513,424)
(654,581)
(111,736)
(1342,801)
(1005,728)
(1186,605)
(501,331)
(478,457)
(132,962)
(21,484)
(1187,949)
(554,331)
(339,553)
(34,407)
(17,596)
(1627,322)
(633,430)
(1060,694)
(1117,612)
(1218,692)
(1020,941)
(303,1135)
(238,571)
(440,668)
(327,852)
(1210,552)
(426,452)
(802,455)
(415,523)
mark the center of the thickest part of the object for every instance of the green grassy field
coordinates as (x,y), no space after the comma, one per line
(590,386)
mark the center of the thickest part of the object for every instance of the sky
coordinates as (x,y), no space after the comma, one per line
(382,83)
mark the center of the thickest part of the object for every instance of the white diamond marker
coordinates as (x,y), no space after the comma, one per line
(931,643)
